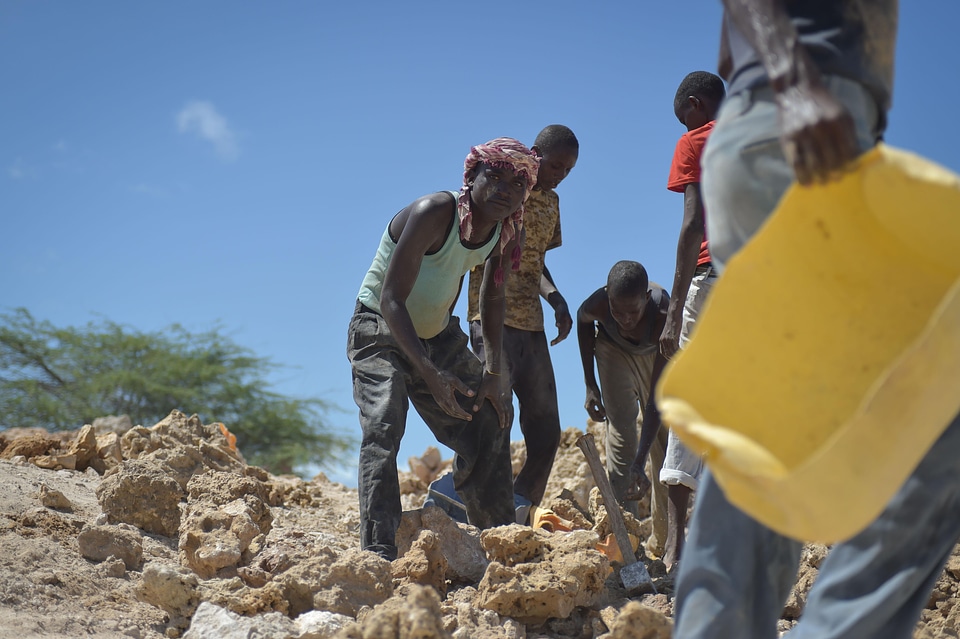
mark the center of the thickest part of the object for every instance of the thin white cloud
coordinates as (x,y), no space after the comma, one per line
(18,170)
(148,190)
(203,120)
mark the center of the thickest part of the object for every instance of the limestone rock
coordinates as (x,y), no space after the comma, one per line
(416,616)
(213,622)
(234,595)
(185,445)
(53,498)
(459,543)
(173,589)
(514,544)
(84,448)
(32,445)
(108,450)
(637,621)
(98,543)
(565,505)
(224,515)
(320,624)
(476,622)
(423,564)
(340,581)
(140,493)
(547,575)
(570,469)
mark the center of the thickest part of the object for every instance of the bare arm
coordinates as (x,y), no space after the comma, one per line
(650,425)
(492,305)
(592,310)
(426,222)
(688,251)
(817,133)
(549,292)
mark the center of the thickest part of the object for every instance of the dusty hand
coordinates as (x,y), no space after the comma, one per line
(444,386)
(639,484)
(491,388)
(594,406)
(670,339)
(564,322)
(817,133)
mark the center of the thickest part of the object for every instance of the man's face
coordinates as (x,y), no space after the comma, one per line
(555,165)
(497,192)
(627,310)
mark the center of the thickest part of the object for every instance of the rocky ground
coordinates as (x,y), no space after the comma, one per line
(143,533)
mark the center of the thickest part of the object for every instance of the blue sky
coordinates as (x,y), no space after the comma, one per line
(235,163)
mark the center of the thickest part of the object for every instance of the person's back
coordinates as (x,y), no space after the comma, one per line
(528,370)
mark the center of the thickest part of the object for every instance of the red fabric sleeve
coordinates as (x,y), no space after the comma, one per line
(685,168)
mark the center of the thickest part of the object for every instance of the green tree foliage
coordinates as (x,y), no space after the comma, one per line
(62,378)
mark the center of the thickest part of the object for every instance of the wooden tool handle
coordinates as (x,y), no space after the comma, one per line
(589,448)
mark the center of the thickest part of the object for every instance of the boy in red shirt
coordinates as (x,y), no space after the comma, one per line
(696,104)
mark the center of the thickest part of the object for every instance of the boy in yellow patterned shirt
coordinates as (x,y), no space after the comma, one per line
(526,365)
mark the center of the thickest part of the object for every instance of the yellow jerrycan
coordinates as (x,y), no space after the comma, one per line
(827,359)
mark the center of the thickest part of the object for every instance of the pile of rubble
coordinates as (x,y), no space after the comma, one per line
(121,531)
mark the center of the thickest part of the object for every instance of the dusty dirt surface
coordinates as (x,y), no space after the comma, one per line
(115,531)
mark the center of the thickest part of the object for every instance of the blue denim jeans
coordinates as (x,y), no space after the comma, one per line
(384,383)
(736,574)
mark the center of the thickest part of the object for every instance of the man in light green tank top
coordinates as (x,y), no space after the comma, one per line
(404,346)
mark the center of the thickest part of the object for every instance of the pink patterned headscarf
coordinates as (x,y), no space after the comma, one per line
(505,153)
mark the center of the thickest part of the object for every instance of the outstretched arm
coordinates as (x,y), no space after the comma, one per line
(688,251)
(549,292)
(426,220)
(816,131)
(587,315)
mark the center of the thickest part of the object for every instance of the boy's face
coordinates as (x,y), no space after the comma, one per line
(555,165)
(693,113)
(497,192)
(628,310)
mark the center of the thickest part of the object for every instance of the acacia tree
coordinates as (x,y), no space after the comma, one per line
(61,378)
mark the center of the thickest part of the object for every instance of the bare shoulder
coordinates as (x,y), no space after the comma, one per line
(427,215)
(594,307)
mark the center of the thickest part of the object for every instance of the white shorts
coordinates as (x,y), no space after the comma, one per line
(680,465)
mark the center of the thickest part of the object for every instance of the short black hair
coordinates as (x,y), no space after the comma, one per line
(627,278)
(556,136)
(701,84)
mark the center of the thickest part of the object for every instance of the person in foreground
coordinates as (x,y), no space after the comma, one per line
(619,326)
(527,368)
(404,345)
(810,84)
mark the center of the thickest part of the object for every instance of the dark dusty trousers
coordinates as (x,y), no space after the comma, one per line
(383,384)
(529,373)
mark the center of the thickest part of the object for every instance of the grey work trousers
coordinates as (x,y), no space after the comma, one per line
(384,382)
(625,389)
